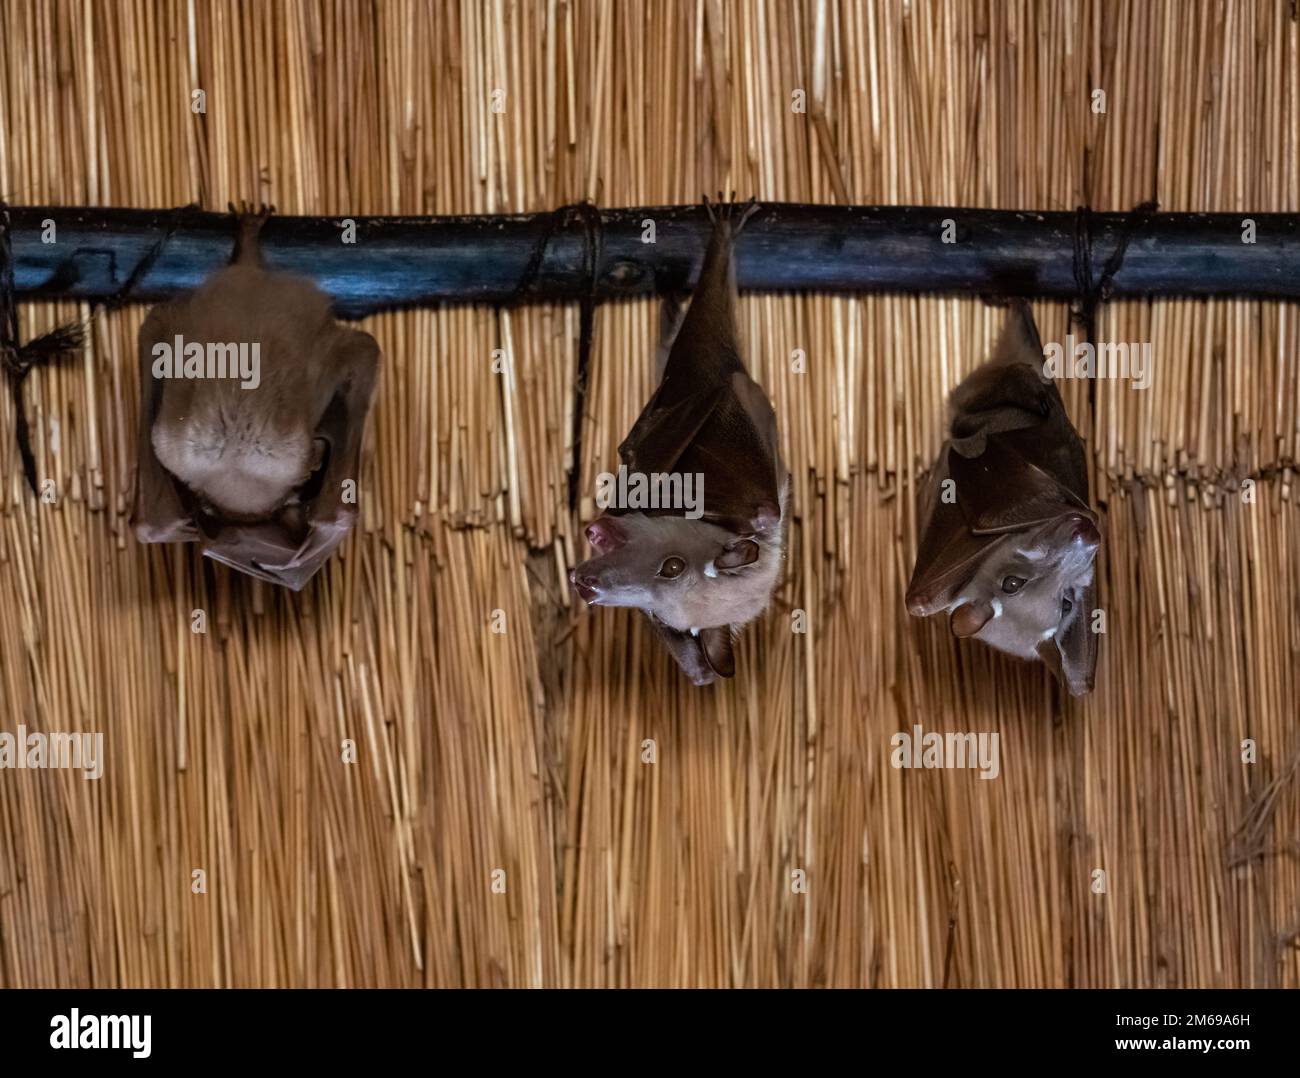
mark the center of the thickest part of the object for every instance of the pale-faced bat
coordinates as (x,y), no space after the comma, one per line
(1009,538)
(258,465)
(699,580)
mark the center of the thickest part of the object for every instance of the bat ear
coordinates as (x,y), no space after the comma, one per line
(1072,653)
(739,553)
(970,618)
(718,650)
(605,534)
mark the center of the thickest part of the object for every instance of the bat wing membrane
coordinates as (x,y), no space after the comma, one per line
(727,433)
(157,514)
(1001,491)
(354,368)
(663,432)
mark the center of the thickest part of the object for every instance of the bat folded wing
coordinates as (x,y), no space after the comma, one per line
(948,551)
(993,493)
(268,552)
(725,432)
(1002,491)
(665,431)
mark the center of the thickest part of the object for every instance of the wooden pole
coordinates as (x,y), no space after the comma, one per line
(575,252)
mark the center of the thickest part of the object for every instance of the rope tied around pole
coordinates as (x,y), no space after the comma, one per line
(62,341)
(1091,295)
(588,215)
(18,360)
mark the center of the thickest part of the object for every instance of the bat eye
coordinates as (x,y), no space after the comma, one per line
(672,567)
(1012,584)
(1066,605)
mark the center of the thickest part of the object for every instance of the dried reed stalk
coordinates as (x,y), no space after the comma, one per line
(522,751)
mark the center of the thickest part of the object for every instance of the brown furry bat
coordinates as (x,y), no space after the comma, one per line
(1009,544)
(261,471)
(699,580)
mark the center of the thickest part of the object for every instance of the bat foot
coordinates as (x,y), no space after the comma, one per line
(584,586)
(729,210)
(258,211)
(250,224)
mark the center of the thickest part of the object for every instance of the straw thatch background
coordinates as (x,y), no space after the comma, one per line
(521,750)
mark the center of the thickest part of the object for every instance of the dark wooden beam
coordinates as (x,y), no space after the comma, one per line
(577,251)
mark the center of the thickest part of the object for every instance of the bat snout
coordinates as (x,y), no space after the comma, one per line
(922,601)
(585,584)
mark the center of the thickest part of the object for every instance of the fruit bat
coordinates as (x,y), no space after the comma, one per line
(1009,538)
(258,467)
(699,580)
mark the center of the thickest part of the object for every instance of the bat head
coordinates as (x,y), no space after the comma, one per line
(243,463)
(687,574)
(1029,593)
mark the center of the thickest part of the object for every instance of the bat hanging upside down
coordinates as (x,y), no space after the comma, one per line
(699,578)
(253,408)
(1009,538)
